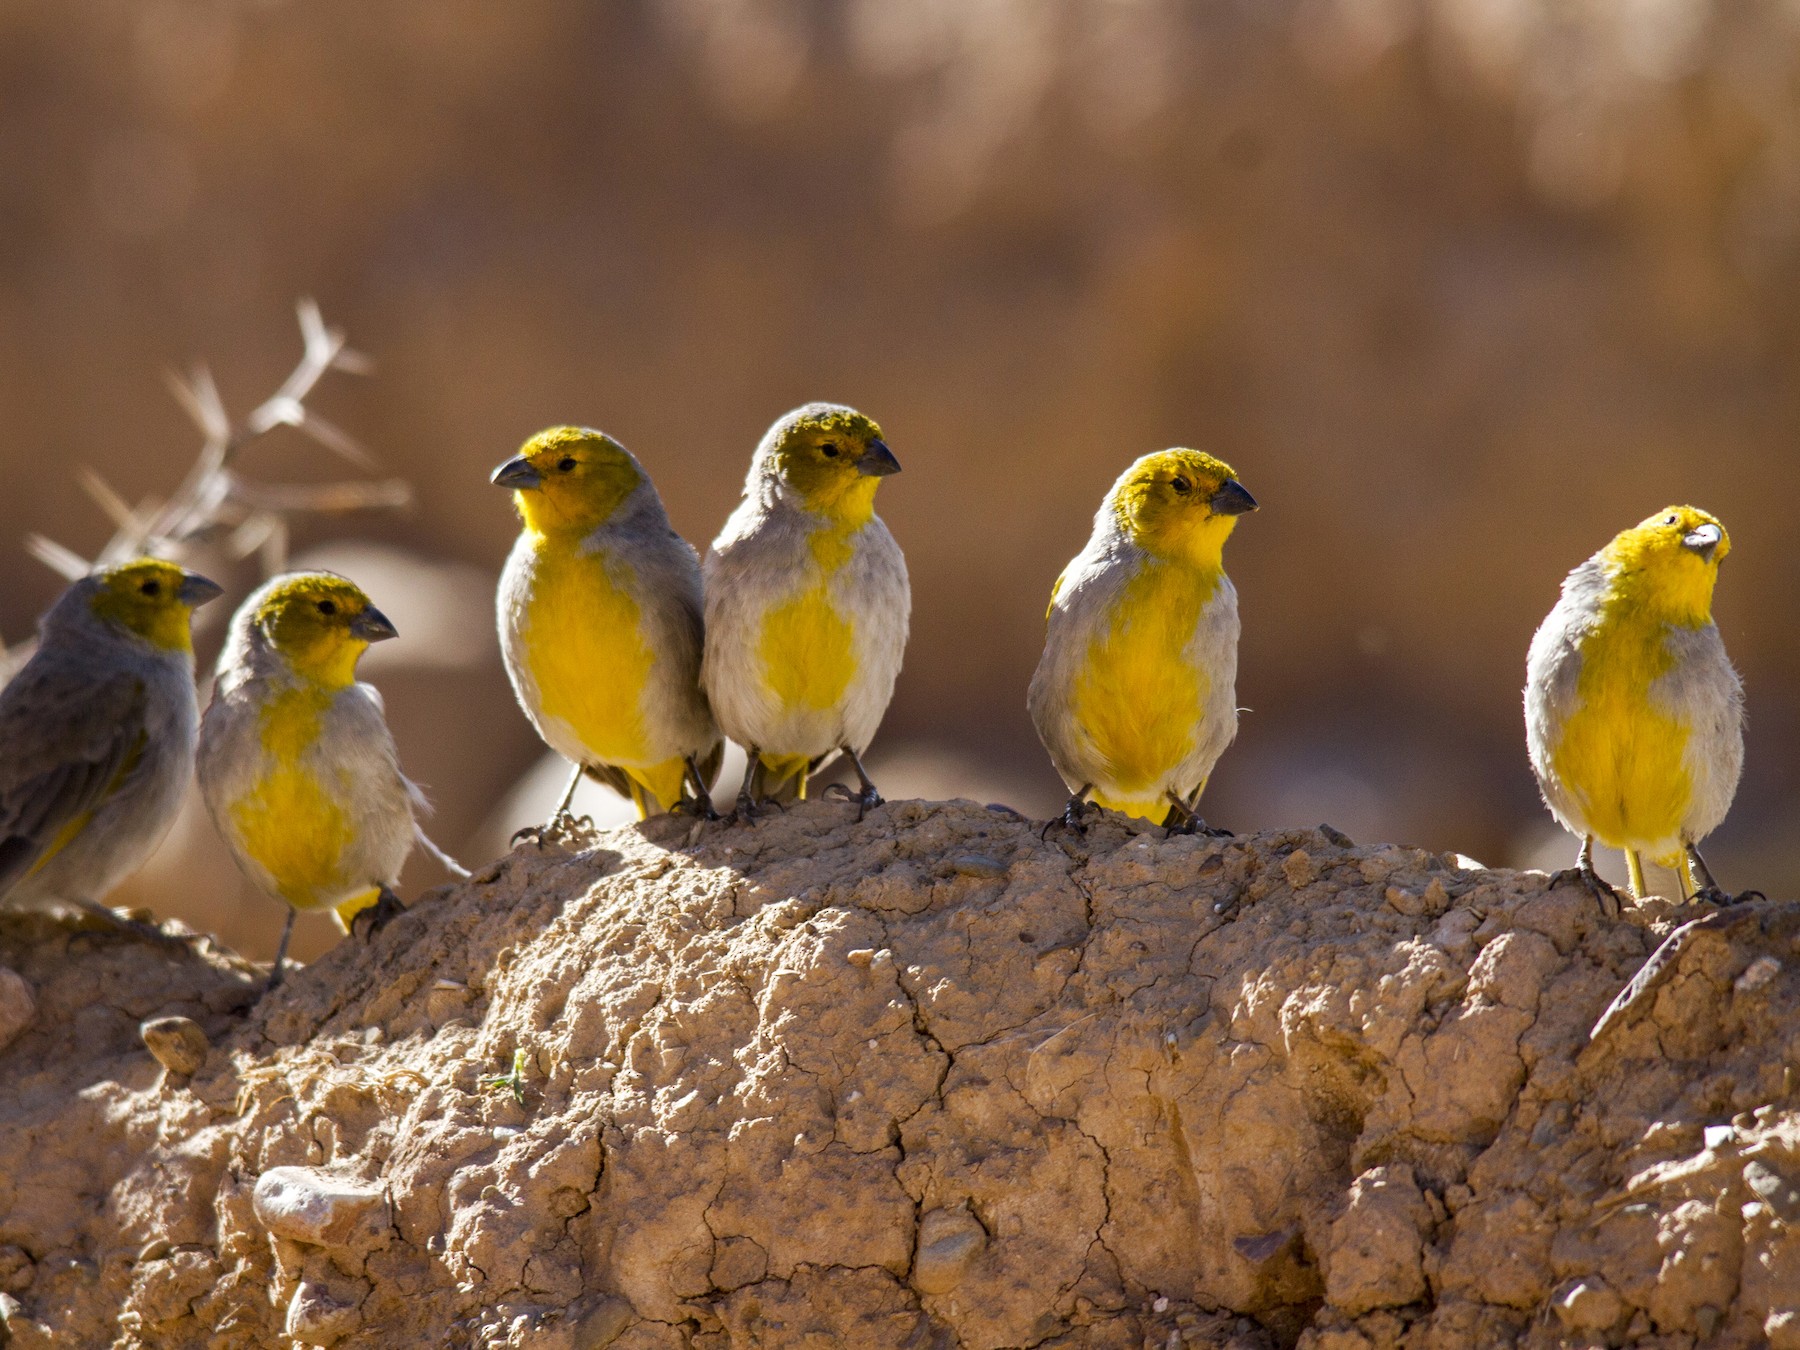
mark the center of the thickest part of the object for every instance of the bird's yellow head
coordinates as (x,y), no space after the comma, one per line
(832,456)
(569,479)
(1670,562)
(153,599)
(1180,503)
(319,624)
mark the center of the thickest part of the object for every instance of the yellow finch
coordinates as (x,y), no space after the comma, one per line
(97,736)
(1135,696)
(1633,714)
(600,623)
(297,765)
(807,604)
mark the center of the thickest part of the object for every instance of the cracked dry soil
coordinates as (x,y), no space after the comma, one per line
(925,1081)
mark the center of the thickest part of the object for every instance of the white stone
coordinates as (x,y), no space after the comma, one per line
(306,1205)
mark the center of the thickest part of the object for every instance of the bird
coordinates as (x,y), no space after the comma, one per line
(807,606)
(97,737)
(600,616)
(1135,696)
(1633,712)
(297,766)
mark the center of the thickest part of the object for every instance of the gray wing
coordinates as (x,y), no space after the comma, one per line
(68,740)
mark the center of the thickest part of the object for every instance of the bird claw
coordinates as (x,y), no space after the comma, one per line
(867,799)
(561,829)
(366,923)
(1070,819)
(1713,895)
(698,808)
(1605,894)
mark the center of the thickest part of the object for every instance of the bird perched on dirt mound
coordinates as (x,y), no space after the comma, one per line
(297,765)
(807,604)
(97,735)
(1633,714)
(600,623)
(1135,696)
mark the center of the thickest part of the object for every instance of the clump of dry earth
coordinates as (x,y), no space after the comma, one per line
(928,1080)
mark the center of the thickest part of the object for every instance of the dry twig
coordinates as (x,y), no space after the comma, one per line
(215,508)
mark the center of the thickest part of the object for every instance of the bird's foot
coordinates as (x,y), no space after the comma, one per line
(1713,895)
(1605,894)
(562,829)
(1072,818)
(700,808)
(366,923)
(865,797)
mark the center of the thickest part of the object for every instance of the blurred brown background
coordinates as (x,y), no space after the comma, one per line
(1460,289)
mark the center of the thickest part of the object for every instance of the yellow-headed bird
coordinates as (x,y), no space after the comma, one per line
(297,765)
(1135,697)
(1633,714)
(601,623)
(807,604)
(97,736)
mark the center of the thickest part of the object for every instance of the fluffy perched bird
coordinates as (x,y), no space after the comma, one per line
(600,623)
(807,605)
(97,736)
(1135,696)
(1633,714)
(297,765)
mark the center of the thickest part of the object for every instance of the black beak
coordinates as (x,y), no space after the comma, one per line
(518,474)
(878,460)
(1231,499)
(196,590)
(373,626)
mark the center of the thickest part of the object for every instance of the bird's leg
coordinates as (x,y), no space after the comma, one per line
(700,803)
(1583,873)
(866,798)
(1634,873)
(277,970)
(746,798)
(1694,868)
(561,824)
(370,921)
(118,923)
(1183,819)
(1073,811)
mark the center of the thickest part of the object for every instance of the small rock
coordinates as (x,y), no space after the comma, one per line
(1758,973)
(1783,1329)
(17,1006)
(1588,1305)
(16,1269)
(178,1044)
(860,957)
(1376,1254)
(1717,1136)
(315,1318)
(307,1205)
(1403,901)
(1299,870)
(949,1242)
(1774,1190)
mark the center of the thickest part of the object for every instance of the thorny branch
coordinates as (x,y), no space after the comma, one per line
(215,507)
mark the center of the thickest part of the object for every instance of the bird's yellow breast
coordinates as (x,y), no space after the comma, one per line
(291,822)
(1620,755)
(1137,696)
(807,646)
(586,652)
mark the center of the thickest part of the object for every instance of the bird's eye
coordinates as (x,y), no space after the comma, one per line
(829,450)
(566,463)
(151,588)
(327,607)
(1179,483)
(1670,521)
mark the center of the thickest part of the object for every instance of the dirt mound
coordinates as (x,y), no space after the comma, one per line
(929,1080)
